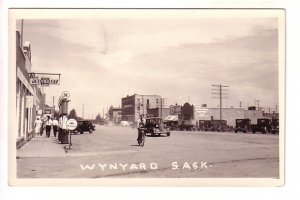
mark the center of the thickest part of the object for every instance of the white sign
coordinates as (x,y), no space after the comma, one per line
(71,124)
(29,101)
(65,95)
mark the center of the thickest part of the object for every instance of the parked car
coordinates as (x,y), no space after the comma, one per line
(243,125)
(263,125)
(155,126)
(85,126)
(275,126)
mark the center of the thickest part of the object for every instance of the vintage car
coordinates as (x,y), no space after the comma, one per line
(263,125)
(213,125)
(275,126)
(85,126)
(243,125)
(155,126)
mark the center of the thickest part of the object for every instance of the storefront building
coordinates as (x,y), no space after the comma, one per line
(28,98)
(135,105)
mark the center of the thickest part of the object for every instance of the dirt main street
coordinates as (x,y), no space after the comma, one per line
(113,152)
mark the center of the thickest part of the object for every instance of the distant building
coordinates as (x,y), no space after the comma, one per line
(175,110)
(158,112)
(228,114)
(29,99)
(115,114)
(135,105)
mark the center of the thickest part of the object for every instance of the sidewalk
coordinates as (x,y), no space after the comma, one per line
(42,147)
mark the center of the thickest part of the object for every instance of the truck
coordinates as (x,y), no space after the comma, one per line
(212,125)
(243,125)
(263,125)
(275,125)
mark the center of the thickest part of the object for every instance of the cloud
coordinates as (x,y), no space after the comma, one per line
(104,60)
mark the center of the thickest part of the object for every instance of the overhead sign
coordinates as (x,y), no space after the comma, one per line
(71,124)
(44,79)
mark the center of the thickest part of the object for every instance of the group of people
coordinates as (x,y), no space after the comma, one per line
(40,125)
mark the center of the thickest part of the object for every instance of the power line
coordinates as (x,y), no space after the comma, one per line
(220,95)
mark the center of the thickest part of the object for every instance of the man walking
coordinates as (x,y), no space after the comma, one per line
(48,126)
(54,124)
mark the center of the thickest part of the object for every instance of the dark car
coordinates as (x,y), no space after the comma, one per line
(155,126)
(243,125)
(213,125)
(85,126)
(275,126)
(219,126)
(263,125)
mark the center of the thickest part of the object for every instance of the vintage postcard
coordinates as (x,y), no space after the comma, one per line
(146,97)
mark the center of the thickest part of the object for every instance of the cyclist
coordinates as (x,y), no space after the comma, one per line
(141,124)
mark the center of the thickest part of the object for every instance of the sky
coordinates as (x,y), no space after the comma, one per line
(103,60)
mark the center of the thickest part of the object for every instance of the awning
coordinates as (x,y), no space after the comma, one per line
(171,118)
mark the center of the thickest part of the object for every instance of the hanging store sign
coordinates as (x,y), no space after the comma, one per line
(44,79)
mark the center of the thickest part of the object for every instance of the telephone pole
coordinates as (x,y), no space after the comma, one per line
(219,93)
(83,111)
(257,101)
(53,106)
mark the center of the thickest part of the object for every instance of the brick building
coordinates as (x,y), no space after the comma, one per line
(158,112)
(115,114)
(135,105)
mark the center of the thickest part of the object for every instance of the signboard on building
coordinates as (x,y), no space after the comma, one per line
(201,113)
(44,79)
(29,101)
(48,110)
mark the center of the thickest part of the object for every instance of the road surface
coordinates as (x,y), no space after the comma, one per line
(113,152)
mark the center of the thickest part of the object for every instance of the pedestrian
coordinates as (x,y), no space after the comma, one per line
(48,126)
(141,124)
(54,125)
(37,126)
(43,126)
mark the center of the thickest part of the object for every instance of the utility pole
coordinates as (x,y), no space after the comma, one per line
(257,101)
(22,23)
(53,107)
(83,111)
(218,92)
(161,106)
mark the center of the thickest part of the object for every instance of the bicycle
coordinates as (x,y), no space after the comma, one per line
(141,141)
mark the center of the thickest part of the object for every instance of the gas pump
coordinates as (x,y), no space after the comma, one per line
(63,112)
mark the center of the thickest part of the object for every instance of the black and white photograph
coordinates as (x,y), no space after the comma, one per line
(129,97)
